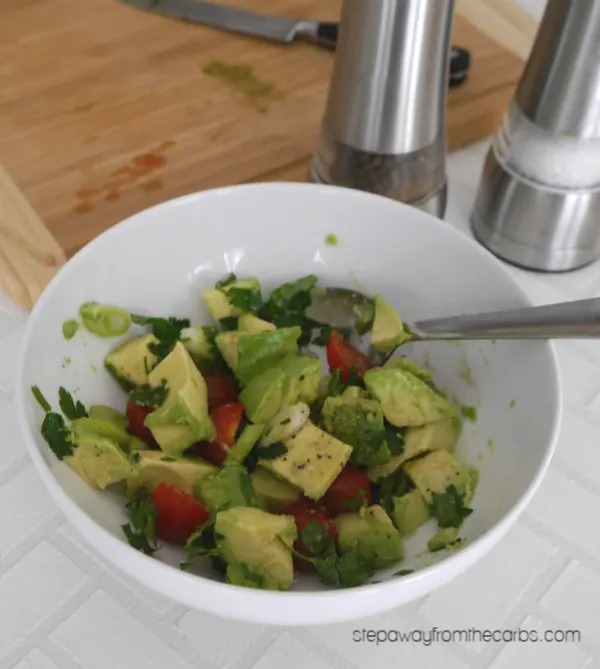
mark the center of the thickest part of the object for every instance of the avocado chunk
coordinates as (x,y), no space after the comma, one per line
(358,422)
(227,488)
(244,444)
(371,533)
(442,538)
(286,423)
(410,512)
(405,399)
(259,540)
(312,462)
(262,397)
(199,341)
(101,428)
(275,493)
(107,413)
(387,331)
(302,374)
(227,343)
(251,323)
(259,351)
(131,362)
(99,461)
(154,468)
(440,435)
(183,418)
(410,366)
(436,471)
(219,299)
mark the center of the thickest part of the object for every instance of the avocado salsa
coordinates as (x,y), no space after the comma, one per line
(237,442)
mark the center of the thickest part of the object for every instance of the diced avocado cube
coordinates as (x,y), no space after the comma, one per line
(101,428)
(302,374)
(131,362)
(440,435)
(99,461)
(434,472)
(263,395)
(405,399)
(410,366)
(227,343)
(183,419)
(199,341)
(252,324)
(442,538)
(275,493)
(387,331)
(371,533)
(227,488)
(260,351)
(286,423)
(312,462)
(358,422)
(154,468)
(107,413)
(218,299)
(410,512)
(257,539)
(244,444)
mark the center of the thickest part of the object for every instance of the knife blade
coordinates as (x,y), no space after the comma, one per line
(256,24)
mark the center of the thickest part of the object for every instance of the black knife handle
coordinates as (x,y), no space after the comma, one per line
(327,34)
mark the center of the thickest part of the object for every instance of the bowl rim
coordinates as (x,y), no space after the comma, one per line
(158,575)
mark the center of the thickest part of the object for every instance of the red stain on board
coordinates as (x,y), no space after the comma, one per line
(139,167)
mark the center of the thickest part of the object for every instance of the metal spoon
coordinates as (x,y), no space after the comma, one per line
(579,319)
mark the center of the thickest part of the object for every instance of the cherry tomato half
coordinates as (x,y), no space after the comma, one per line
(342,356)
(178,514)
(227,419)
(304,512)
(136,416)
(350,490)
(220,390)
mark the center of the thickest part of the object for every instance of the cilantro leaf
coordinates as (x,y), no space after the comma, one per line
(228,323)
(166,330)
(69,407)
(58,435)
(355,503)
(140,531)
(202,543)
(145,396)
(270,452)
(403,572)
(326,331)
(394,485)
(395,439)
(315,537)
(449,508)
(41,400)
(241,574)
(246,299)
(227,281)
(355,568)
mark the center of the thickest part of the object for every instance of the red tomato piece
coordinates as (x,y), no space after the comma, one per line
(349,491)
(136,416)
(178,514)
(220,390)
(304,512)
(227,419)
(342,356)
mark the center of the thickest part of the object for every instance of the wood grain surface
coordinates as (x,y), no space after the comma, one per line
(106,110)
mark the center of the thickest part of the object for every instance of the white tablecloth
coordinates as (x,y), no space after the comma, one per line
(62,607)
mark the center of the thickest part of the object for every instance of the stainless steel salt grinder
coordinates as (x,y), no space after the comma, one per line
(538,201)
(384,128)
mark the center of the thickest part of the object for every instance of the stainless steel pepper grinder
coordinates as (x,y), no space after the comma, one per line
(384,128)
(538,201)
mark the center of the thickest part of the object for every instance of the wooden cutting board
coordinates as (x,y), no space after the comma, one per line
(106,110)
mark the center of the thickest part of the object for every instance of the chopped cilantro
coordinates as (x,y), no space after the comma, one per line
(270,452)
(140,531)
(145,396)
(449,508)
(69,407)
(41,400)
(241,574)
(201,544)
(58,435)
(227,281)
(403,572)
(246,299)
(228,323)
(355,503)
(394,485)
(166,330)
(395,439)
(323,337)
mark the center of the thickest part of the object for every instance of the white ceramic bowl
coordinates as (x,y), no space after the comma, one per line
(159,261)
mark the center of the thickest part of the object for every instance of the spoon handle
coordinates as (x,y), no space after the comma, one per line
(567,320)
